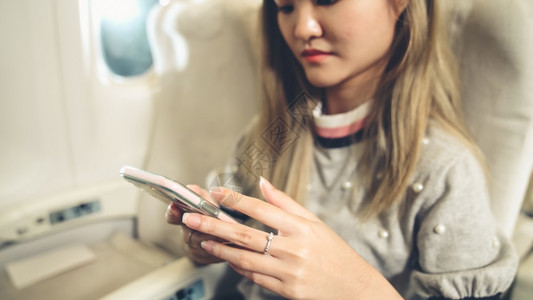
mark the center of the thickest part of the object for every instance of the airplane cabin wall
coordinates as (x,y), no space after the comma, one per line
(36,152)
(66,123)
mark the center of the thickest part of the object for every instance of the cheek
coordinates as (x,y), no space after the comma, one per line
(351,25)
(367,19)
(285,33)
(366,31)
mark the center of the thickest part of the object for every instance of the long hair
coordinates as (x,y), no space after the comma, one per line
(419,84)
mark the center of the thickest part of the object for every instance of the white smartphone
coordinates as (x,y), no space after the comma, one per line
(168,190)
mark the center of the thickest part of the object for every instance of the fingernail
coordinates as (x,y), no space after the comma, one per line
(191,220)
(265,185)
(215,192)
(207,245)
(170,213)
(185,217)
(171,210)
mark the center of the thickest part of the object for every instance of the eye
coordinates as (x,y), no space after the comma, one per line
(285,9)
(325,2)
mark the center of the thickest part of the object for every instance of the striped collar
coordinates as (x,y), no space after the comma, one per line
(339,130)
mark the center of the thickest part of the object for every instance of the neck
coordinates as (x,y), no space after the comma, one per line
(344,99)
(351,93)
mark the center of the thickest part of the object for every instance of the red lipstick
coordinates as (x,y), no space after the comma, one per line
(315,56)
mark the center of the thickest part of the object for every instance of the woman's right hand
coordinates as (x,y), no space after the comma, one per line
(192,238)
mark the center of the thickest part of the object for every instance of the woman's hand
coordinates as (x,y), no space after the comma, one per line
(306,260)
(193,238)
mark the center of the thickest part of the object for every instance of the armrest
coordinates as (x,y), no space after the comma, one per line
(178,277)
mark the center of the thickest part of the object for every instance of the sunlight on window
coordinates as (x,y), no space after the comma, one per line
(125,47)
(118,11)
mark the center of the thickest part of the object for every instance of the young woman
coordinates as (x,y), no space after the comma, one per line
(378,191)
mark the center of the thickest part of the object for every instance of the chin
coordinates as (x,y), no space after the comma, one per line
(322,77)
(321,82)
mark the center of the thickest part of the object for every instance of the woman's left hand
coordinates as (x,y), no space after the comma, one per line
(306,260)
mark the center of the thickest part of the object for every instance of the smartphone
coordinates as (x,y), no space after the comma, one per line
(168,190)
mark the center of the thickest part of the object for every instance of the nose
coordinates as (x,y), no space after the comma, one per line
(307,25)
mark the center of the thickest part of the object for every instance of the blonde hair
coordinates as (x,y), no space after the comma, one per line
(420,83)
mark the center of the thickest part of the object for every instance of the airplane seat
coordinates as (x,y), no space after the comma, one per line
(207,94)
(493,46)
(491,40)
(205,59)
(205,71)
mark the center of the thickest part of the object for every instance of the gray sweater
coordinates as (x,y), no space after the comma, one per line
(440,241)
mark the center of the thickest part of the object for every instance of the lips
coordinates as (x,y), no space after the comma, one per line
(314,55)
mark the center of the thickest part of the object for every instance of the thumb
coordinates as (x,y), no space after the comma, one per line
(283,201)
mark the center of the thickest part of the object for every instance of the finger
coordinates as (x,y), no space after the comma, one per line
(268,282)
(194,251)
(173,214)
(187,238)
(260,210)
(203,193)
(238,234)
(203,257)
(245,260)
(195,238)
(220,195)
(280,199)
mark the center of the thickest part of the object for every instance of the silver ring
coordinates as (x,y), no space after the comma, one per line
(269,241)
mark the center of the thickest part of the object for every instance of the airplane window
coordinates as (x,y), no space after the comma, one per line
(125,47)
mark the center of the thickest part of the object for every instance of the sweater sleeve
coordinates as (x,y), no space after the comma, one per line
(460,253)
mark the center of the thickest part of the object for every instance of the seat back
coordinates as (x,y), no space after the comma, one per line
(206,64)
(494,45)
(208,93)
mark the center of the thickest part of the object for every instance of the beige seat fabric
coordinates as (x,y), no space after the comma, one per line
(494,39)
(207,71)
(208,94)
